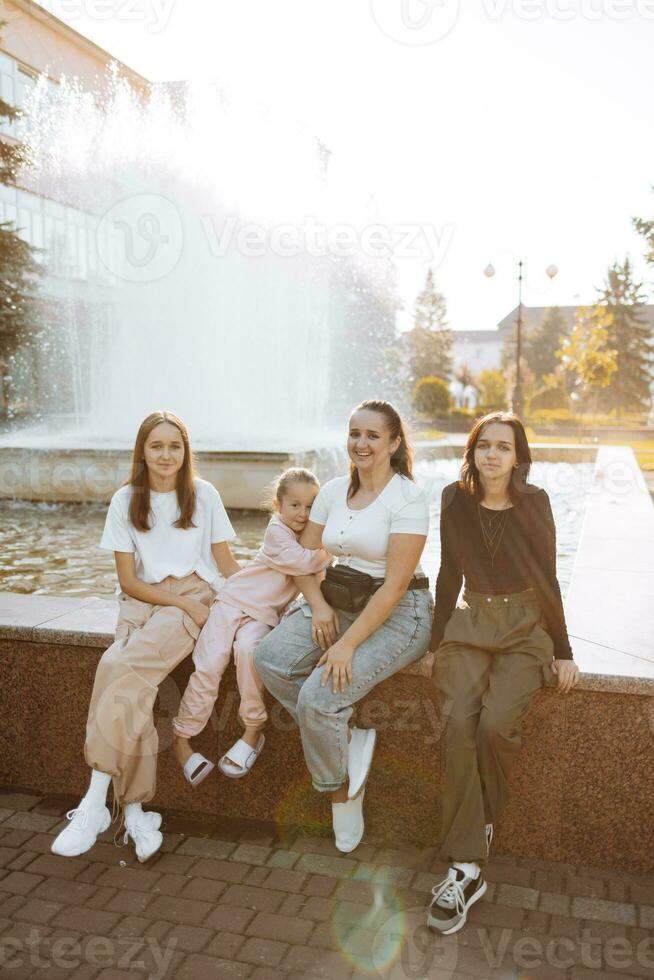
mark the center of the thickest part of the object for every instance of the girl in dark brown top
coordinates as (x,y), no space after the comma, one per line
(494,649)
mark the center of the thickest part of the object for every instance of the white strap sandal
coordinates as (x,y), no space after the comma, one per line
(197,768)
(241,757)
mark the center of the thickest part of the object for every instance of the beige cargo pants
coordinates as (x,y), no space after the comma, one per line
(495,654)
(121,738)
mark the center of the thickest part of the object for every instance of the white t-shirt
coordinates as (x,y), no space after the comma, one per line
(166,550)
(359,538)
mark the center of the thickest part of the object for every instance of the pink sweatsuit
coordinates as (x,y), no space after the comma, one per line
(249,605)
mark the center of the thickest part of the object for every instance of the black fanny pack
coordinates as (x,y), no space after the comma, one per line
(348,589)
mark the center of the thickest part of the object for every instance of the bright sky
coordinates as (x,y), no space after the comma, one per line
(511,128)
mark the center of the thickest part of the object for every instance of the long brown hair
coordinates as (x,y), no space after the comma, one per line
(139,505)
(402,458)
(469,479)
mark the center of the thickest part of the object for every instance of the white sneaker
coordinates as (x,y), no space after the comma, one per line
(147,838)
(153,819)
(359,756)
(347,820)
(86,823)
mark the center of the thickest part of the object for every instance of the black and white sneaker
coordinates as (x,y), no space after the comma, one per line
(453,896)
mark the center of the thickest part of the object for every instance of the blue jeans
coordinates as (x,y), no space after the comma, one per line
(286,660)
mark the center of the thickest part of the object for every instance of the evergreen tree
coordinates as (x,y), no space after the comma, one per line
(646,228)
(19,273)
(429,343)
(541,344)
(630,335)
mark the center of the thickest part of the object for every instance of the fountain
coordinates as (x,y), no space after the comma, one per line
(190,268)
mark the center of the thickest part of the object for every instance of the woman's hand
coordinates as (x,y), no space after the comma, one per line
(338,661)
(324,624)
(198,612)
(567,673)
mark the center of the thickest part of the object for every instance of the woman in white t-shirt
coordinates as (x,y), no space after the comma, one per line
(320,660)
(170,536)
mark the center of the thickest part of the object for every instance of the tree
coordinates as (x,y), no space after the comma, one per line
(586,354)
(431,396)
(19,273)
(429,343)
(540,345)
(629,334)
(646,228)
(492,390)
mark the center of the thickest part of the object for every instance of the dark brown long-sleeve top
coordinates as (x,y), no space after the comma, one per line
(526,558)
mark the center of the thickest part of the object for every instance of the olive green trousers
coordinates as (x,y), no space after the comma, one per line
(495,654)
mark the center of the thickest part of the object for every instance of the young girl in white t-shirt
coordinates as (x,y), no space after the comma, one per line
(170,536)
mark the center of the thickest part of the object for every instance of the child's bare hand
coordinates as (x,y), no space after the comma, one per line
(198,612)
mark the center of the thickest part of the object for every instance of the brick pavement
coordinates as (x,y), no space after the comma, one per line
(231,900)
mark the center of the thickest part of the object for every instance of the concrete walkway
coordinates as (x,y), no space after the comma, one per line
(231,900)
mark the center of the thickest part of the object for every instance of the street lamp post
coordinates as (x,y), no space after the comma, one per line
(517,401)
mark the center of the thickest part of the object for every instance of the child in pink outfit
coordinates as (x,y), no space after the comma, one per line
(250,604)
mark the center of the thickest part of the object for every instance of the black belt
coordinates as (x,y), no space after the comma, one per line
(417,582)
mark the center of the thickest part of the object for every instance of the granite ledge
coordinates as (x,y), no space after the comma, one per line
(90,621)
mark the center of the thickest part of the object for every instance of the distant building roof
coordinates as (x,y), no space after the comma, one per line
(78,40)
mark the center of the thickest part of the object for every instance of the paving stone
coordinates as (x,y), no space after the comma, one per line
(66,892)
(170,884)
(313,960)
(232,871)
(205,847)
(292,904)
(37,910)
(251,853)
(286,881)
(51,865)
(322,886)
(128,902)
(323,864)
(267,925)
(224,918)
(258,951)
(225,945)
(201,967)
(246,896)
(191,939)
(136,879)
(186,910)
(203,889)
(96,921)
(516,895)
(267,973)
(583,886)
(646,916)
(553,903)
(509,874)
(12,800)
(283,859)
(20,882)
(256,875)
(175,864)
(596,908)
(30,821)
